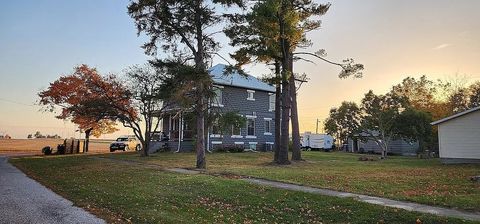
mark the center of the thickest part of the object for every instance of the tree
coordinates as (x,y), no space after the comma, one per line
(180,28)
(474,99)
(78,98)
(143,89)
(414,125)
(379,116)
(343,122)
(256,34)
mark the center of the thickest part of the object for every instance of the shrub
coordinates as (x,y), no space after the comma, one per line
(47,150)
(229,148)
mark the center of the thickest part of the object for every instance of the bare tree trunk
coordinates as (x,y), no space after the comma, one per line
(277,111)
(200,147)
(200,67)
(284,126)
(296,151)
(87,139)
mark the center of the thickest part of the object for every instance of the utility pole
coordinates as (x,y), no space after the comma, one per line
(316,129)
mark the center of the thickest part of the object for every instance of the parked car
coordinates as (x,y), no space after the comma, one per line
(125,143)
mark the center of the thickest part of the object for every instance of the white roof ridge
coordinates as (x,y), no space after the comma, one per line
(455,115)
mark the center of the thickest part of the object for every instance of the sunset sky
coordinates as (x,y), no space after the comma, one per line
(41,40)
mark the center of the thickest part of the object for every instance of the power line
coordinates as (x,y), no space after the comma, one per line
(15,102)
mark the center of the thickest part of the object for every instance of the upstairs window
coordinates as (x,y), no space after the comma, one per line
(218,98)
(271,102)
(250,95)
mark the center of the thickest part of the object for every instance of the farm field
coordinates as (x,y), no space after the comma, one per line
(34,146)
(122,192)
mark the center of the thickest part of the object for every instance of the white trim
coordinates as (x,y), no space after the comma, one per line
(217,105)
(267,133)
(239,143)
(267,118)
(251,99)
(269,143)
(253,143)
(236,136)
(250,116)
(218,86)
(216,136)
(217,142)
(455,116)
(250,91)
(250,136)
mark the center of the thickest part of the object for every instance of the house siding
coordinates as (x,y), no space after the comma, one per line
(459,138)
(235,100)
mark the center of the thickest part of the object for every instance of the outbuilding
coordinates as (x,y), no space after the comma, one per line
(459,137)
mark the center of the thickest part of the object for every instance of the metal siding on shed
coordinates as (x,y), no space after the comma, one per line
(460,137)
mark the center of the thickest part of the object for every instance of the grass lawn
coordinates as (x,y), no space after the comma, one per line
(402,178)
(123,192)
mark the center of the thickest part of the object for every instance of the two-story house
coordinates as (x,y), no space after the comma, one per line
(246,95)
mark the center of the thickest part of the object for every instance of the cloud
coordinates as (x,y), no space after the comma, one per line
(441,46)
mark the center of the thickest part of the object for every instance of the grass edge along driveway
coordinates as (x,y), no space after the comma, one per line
(141,194)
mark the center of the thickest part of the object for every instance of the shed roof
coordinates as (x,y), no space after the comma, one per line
(237,80)
(455,116)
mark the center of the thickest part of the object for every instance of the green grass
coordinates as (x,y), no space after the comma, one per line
(122,192)
(401,178)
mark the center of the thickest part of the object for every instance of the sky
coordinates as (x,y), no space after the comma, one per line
(40,40)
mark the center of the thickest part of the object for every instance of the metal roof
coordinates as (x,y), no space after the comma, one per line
(237,80)
(455,116)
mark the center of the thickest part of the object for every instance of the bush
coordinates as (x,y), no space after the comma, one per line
(47,150)
(229,148)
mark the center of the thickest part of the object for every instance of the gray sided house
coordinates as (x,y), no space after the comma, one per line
(246,95)
(396,147)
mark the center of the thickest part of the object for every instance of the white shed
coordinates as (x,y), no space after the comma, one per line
(459,137)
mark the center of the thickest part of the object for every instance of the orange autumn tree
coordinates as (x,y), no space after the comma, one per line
(84,97)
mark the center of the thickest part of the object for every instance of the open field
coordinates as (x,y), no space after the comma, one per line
(137,193)
(401,178)
(34,146)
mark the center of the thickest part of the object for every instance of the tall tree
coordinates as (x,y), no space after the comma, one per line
(143,89)
(379,116)
(414,125)
(77,98)
(343,122)
(180,28)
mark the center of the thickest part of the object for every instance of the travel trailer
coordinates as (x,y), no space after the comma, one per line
(317,141)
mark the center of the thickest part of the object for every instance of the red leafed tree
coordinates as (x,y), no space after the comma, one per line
(84,97)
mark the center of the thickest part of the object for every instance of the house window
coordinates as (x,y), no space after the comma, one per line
(267,126)
(215,128)
(236,131)
(218,98)
(251,126)
(252,145)
(250,95)
(271,102)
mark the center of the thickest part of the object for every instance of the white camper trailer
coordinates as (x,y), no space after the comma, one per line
(317,141)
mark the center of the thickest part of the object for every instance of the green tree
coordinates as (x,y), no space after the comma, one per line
(343,122)
(414,125)
(180,28)
(379,118)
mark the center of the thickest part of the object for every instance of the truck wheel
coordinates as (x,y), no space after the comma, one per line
(112,150)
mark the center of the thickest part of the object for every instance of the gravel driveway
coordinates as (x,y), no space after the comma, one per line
(23,200)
